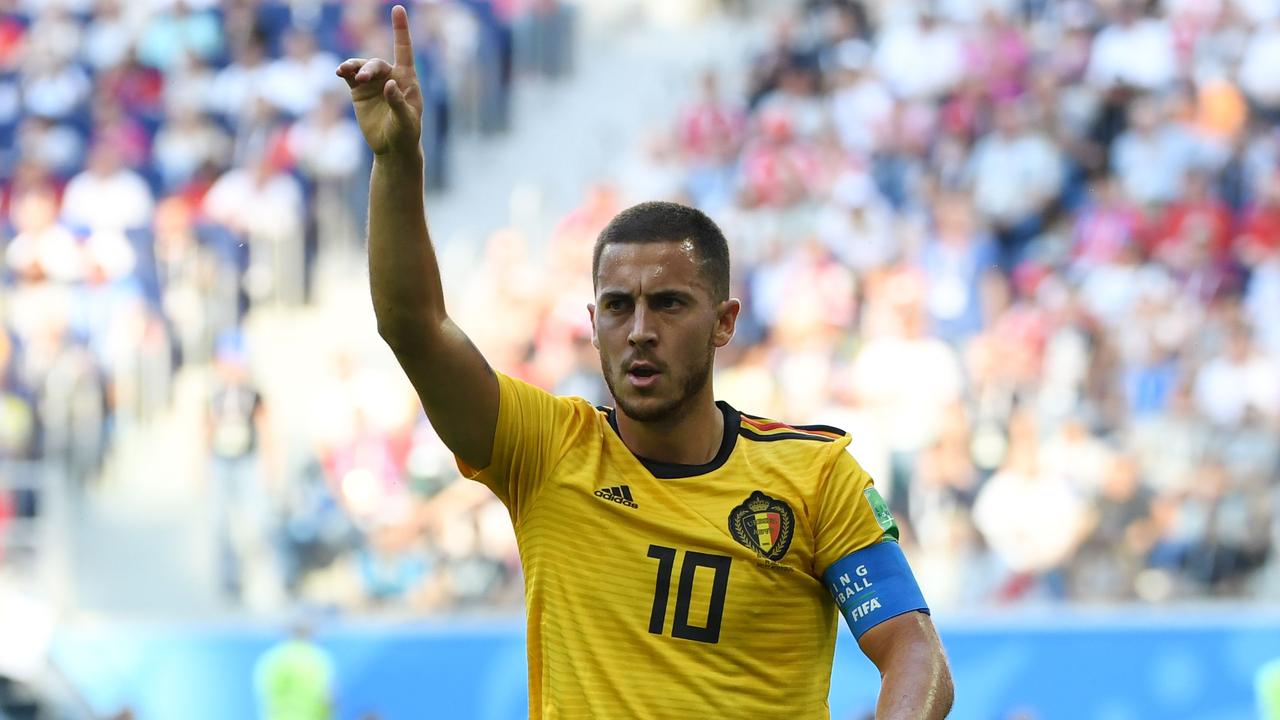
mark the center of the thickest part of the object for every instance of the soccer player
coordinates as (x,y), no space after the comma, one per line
(680,556)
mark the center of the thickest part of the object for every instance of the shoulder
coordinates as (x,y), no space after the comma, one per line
(526,406)
(816,451)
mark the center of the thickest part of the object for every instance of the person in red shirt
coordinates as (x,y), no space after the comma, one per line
(1259,229)
(1197,220)
(711,129)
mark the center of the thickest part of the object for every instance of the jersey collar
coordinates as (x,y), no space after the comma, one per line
(671,471)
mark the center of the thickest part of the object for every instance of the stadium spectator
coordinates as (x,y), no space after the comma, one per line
(1030,516)
(906,378)
(295,82)
(107,195)
(1152,157)
(54,89)
(1267,688)
(955,260)
(122,264)
(920,57)
(177,30)
(240,449)
(1017,175)
(1133,49)
(264,206)
(187,142)
(1236,381)
(295,679)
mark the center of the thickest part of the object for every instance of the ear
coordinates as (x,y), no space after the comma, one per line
(591,312)
(726,321)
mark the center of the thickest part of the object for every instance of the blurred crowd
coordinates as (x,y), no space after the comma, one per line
(169,167)
(1026,252)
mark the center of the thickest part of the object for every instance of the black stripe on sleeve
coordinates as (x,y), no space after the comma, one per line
(750,435)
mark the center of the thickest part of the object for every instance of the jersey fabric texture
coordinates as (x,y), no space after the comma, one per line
(656,590)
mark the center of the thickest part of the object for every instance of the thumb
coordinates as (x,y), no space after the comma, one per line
(395,98)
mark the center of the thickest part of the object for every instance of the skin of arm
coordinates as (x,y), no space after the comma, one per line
(915,681)
(458,390)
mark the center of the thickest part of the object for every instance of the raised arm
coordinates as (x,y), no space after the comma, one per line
(451,377)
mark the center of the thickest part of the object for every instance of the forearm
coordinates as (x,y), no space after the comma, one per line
(915,685)
(404,275)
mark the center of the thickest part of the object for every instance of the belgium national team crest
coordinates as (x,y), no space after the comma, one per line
(763,524)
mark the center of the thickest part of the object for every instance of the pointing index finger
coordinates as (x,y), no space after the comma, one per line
(403,43)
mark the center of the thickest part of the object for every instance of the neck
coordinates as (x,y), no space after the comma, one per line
(693,438)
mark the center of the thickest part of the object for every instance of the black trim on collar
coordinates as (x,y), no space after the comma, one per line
(672,471)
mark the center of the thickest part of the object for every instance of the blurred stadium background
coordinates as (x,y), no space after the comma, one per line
(1026,251)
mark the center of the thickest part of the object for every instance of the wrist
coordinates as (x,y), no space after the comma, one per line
(401,158)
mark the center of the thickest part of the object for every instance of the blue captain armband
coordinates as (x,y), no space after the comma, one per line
(872,585)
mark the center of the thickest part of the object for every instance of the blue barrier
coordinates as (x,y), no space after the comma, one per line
(1129,666)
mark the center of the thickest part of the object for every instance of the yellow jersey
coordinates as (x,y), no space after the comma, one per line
(656,590)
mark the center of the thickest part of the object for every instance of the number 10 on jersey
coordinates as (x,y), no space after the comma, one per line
(680,626)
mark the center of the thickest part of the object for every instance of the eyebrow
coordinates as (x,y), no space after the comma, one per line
(615,294)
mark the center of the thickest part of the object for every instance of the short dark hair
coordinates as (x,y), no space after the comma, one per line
(659,221)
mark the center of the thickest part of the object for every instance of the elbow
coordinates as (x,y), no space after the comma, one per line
(943,687)
(399,337)
(411,332)
(393,334)
(946,690)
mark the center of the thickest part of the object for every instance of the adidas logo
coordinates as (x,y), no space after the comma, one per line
(620,494)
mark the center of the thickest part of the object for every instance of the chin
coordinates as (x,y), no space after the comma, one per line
(648,409)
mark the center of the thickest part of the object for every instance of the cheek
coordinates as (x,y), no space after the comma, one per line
(696,341)
(607,344)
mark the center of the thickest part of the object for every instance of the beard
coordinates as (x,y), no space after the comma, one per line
(654,409)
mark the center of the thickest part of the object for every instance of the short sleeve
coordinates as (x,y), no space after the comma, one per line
(530,438)
(851,514)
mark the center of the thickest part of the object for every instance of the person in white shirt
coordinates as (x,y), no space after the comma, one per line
(54,88)
(1152,157)
(331,152)
(857,226)
(1238,379)
(185,143)
(1133,50)
(905,378)
(861,104)
(1028,512)
(239,85)
(1017,174)
(1260,68)
(295,82)
(264,205)
(921,59)
(107,195)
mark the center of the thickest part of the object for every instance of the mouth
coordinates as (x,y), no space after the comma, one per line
(641,375)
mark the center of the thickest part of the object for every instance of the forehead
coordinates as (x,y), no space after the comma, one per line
(649,266)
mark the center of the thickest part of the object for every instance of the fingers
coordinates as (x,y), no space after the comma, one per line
(348,69)
(362,70)
(375,70)
(403,53)
(399,105)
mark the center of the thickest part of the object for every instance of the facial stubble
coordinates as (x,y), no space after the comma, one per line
(678,406)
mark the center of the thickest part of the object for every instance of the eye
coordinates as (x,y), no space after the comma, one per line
(615,305)
(669,303)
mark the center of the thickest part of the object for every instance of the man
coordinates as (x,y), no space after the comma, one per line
(1267,685)
(294,679)
(677,553)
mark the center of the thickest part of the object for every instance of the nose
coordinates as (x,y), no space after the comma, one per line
(642,330)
